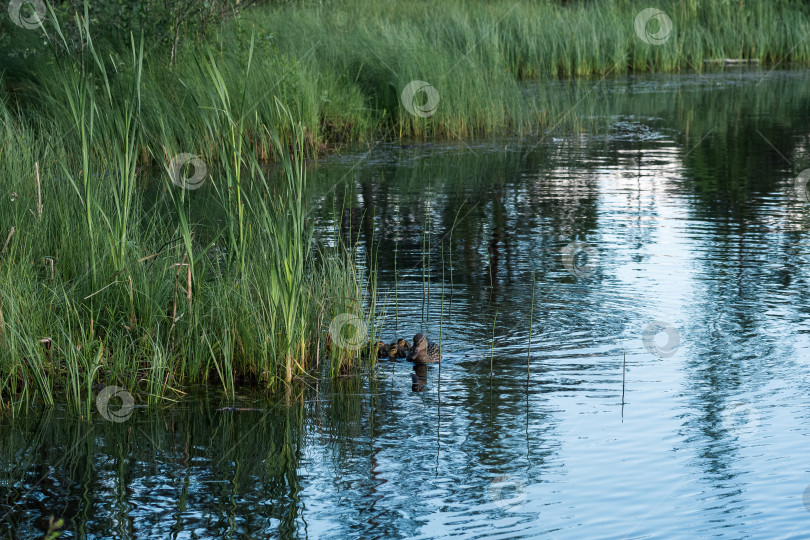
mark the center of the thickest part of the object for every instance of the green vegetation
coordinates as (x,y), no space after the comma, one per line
(110,273)
(341,66)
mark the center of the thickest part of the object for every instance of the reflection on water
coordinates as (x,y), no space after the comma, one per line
(670,232)
(419,378)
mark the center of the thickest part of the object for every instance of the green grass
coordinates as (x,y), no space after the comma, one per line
(340,66)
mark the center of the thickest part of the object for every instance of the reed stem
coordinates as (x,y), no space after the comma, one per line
(492,346)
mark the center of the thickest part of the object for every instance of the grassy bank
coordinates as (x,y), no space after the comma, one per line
(341,66)
(115,274)
(110,273)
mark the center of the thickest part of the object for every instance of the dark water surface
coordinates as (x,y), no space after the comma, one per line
(677,210)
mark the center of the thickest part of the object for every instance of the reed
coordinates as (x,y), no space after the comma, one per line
(492,344)
(450,249)
(425,270)
(531,321)
(624,375)
(396,276)
(441,301)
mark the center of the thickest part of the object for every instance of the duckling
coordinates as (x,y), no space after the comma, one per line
(424,352)
(399,349)
(402,348)
(382,349)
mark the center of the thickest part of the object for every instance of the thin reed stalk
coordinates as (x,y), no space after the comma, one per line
(492,346)
(531,320)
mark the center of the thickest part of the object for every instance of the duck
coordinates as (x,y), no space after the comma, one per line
(393,351)
(423,351)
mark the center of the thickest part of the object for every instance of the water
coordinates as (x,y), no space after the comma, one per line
(677,205)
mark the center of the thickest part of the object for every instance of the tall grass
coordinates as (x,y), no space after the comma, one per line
(340,67)
(112,274)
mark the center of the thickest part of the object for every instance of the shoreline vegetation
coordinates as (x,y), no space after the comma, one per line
(110,276)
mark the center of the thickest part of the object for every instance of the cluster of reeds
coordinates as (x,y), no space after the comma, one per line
(110,273)
(341,66)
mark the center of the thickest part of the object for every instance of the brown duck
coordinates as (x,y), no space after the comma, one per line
(423,351)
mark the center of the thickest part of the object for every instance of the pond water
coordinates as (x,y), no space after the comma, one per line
(625,324)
